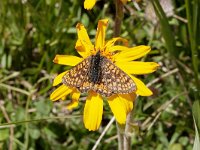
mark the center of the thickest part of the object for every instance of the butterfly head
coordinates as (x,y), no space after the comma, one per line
(104,53)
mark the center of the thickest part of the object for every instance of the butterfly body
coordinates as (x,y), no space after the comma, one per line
(99,74)
(94,73)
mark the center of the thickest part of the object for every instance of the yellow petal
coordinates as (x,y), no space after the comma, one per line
(118,109)
(128,100)
(109,44)
(67,60)
(60,92)
(63,98)
(81,49)
(141,87)
(58,78)
(72,105)
(131,53)
(89,4)
(83,44)
(136,67)
(121,105)
(93,111)
(75,98)
(75,95)
(100,35)
(118,48)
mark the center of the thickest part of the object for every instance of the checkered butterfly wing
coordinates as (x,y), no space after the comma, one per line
(112,79)
(78,76)
(115,79)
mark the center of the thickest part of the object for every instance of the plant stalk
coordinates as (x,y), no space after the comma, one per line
(118,17)
(117,30)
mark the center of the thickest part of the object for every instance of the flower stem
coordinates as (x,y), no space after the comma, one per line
(117,29)
(130,128)
(120,136)
(118,17)
(127,138)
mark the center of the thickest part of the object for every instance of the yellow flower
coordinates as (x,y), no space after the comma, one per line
(89,4)
(121,56)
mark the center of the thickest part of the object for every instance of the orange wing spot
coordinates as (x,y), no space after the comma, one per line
(119,88)
(117,71)
(90,84)
(76,79)
(79,82)
(86,84)
(100,87)
(96,86)
(123,80)
(111,67)
(123,87)
(114,88)
(113,77)
(105,91)
(118,80)
(114,84)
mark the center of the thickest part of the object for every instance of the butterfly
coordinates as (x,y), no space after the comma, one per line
(99,74)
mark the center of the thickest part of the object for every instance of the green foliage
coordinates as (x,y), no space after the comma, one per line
(33,32)
(196,112)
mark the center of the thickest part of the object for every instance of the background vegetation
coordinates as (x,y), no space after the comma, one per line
(33,32)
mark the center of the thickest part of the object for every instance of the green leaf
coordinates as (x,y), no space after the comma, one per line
(196,140)
(43,107)
(34,133)
(196,112)
(4,134)
(165,28)
(176,146)
(85,19)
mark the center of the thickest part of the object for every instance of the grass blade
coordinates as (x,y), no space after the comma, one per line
(165,28)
